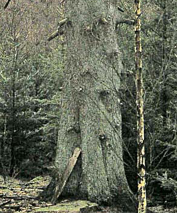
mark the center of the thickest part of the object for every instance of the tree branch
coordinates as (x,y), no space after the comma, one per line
(55,34)
(59,31)
(120,9)
(7,3)
(125,21)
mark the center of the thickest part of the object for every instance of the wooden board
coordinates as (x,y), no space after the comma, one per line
(64,178)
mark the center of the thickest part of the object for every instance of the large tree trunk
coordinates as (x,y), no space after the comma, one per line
(90,117)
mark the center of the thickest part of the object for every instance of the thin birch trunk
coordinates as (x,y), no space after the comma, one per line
(140,113)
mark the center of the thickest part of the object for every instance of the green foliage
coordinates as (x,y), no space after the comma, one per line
(30,76)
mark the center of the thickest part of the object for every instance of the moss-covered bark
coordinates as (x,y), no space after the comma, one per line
(90,117)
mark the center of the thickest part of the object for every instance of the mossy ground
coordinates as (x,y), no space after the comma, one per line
(21,196)
(71,207)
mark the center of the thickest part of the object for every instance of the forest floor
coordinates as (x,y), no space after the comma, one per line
(21,196)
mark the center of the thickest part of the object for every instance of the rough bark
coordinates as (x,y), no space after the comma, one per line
(90,117)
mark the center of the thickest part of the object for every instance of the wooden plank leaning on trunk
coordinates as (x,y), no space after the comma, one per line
(64,178)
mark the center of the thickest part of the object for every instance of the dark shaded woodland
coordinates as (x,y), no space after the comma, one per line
(78,90)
